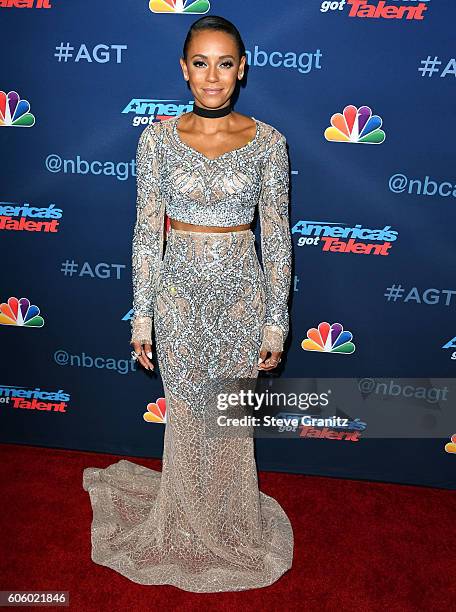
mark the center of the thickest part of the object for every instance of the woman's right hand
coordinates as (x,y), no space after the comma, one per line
(144,353)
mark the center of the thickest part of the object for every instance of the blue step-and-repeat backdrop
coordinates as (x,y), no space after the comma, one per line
(364,91)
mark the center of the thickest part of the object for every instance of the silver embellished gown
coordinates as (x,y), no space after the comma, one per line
(201,523)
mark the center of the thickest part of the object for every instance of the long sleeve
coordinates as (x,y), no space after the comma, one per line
(147,244)
(276,246)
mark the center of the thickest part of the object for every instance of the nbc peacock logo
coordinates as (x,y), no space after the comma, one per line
(355,125)
(156,411)
(182,7)
(329,339)
(14,112)
(450,447)
(20,313)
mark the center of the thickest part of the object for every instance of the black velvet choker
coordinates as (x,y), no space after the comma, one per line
(212,113)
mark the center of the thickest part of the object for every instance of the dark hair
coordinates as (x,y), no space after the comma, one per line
(214,22)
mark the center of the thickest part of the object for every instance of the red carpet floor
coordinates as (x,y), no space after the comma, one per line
(358,545)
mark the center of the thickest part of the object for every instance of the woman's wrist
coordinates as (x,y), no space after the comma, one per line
(273,338)
(141,330)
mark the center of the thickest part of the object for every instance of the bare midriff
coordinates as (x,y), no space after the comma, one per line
(180,225)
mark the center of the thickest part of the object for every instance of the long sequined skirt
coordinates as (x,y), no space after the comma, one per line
(201,524)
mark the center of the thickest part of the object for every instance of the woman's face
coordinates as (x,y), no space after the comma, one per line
(212,68)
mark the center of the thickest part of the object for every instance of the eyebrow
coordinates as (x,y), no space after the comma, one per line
(205,56)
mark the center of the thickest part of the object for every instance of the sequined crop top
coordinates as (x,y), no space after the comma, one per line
(175,179)
(221,191)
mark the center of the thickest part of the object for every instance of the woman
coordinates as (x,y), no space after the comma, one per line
(202,524)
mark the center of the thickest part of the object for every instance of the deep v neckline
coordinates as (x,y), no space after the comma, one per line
(213,159)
